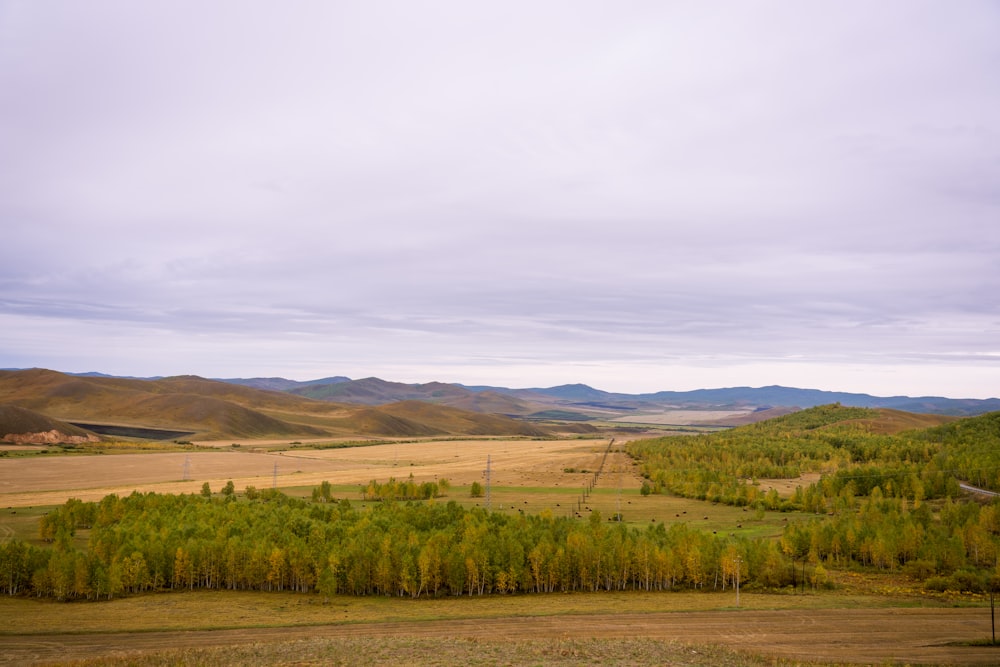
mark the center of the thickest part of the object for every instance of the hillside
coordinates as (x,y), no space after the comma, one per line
(212,410)
(456,421)
(374,391)
(23,426)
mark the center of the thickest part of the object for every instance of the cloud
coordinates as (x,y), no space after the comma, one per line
(560,188)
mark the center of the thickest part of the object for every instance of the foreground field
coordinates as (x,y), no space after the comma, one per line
(681,628)
(866,605)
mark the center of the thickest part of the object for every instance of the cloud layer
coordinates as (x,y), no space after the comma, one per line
(641,196)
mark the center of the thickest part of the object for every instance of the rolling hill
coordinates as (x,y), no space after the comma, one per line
(212,410)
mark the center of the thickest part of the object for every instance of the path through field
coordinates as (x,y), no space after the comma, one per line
(911,636)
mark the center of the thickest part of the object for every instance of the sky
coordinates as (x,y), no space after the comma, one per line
(638,196)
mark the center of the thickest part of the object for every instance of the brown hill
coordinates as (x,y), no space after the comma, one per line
(208,408)
(375,391)
(218,410)
(374,421)
(493,403)
(455,421)
(24,426)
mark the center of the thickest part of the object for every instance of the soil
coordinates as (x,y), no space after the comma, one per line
(911,636)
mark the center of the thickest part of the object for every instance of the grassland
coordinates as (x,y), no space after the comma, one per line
(526,475)
(861,621)
(613,628)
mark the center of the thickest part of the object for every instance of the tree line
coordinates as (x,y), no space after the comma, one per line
(151,541)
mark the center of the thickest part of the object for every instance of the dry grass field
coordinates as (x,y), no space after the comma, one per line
(613,628)
(526,475)
(52,480)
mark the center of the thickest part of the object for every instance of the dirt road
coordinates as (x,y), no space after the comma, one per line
(845,636)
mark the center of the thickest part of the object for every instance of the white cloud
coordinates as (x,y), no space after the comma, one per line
(587,191)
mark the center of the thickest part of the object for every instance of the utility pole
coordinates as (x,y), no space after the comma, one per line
(621,468)
(187,468)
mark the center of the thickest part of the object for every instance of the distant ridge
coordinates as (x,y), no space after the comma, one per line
(281,384)
(588,401)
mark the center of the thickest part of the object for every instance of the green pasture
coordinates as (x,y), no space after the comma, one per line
(636,510)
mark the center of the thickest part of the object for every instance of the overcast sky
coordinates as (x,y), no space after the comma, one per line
(634,195)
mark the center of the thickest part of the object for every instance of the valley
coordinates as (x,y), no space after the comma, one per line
(636,526)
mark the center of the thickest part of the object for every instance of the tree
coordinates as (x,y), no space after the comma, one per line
(229,490)
(477,490)
(206,490)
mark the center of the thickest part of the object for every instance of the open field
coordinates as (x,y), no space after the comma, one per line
(680,417)
(52,480)
(858,623)
(526,475)
(665,626)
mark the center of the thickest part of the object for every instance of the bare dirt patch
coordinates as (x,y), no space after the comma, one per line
(786,487)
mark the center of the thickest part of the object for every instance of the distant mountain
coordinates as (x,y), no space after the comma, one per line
(806,398)
(281,384)
(95,374)
(575,392)
(374,391)
(584,401)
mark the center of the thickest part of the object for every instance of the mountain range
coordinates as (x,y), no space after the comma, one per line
(581,397)
(38,401)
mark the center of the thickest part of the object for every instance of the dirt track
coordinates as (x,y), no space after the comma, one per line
(859,636)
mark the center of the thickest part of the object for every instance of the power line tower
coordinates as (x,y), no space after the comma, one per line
(488,472)
(620,464)
(274,477)
(186,470)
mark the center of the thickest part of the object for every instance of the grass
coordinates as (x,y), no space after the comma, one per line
(214,610)
(449,651)
(637,510)
(249,628)
(21,523)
